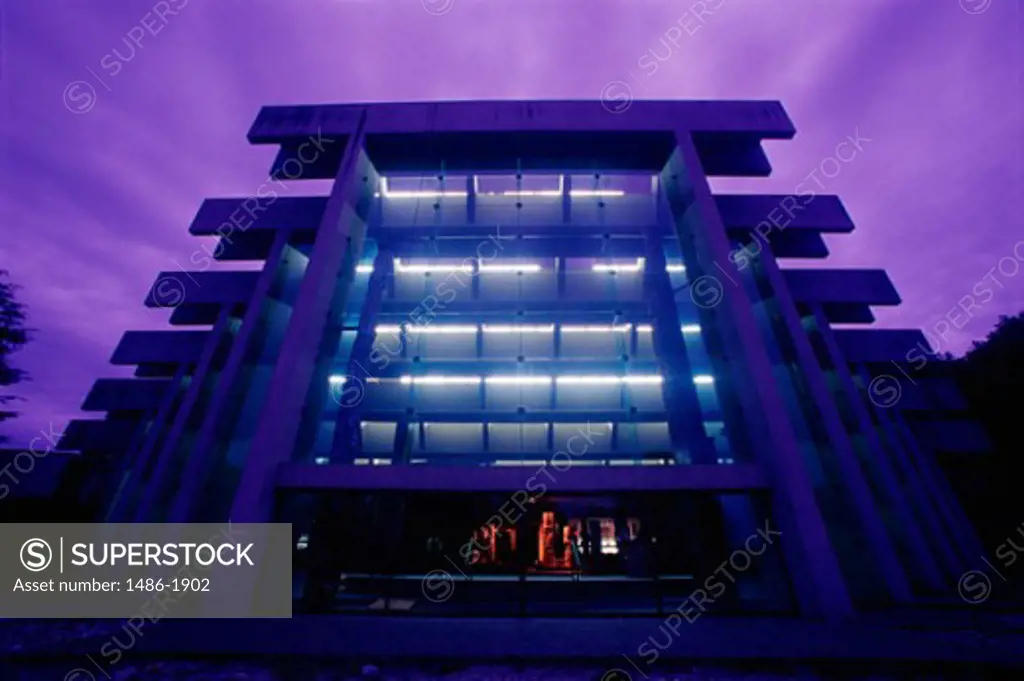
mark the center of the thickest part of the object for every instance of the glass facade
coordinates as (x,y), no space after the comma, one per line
(489,343)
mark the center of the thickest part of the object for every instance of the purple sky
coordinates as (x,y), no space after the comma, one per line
(93,205)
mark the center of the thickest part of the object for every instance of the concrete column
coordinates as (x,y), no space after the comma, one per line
(928,509)
(853,476)
(127,495)
(685,419)
(963,531)
(198,465)
(322,287)
(360,365)
(887,477)
(728,316)
(147,504)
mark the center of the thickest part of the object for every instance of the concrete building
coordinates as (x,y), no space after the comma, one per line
(518,358)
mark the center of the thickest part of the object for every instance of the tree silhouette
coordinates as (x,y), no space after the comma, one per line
(991,378)
(13,335)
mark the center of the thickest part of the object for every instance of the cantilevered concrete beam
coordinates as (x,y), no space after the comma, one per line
(476,479)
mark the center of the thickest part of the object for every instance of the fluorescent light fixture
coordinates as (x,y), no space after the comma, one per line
(652,462)
(675,268)
(448,328)
(387,328)
(596,328)
(550,192)
(518,328)
(518,380)
(517,462)
(416,194)
(588,380)
(622,267)
(690,328)
(644,328)
(336,380)
(321,461)
(634,379)
(533,192)
(703,379)
(525,267)
(596,192)
(364,269)
(642,380)
(440,380)
(381,462)
(361,462)
(425,269)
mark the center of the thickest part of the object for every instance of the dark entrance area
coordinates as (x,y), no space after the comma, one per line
(480,553)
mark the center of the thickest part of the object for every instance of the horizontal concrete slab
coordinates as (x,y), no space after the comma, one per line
(860,286)
(125,394)
(777,213)
(107,436)
(276,124)
(880,345)
(182,289)
(226,216)
(159,347)
(455,478)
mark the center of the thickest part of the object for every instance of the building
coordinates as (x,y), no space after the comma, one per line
(520,359)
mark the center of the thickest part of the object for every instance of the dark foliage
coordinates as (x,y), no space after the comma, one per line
(13,335)
(991,377)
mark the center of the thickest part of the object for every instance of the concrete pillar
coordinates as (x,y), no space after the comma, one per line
(888,481)
(322,287)
(198,465)
(147,508)
(962,530)
(685,419)
(853,476)
(727,314)
(141,451)
(928,509)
